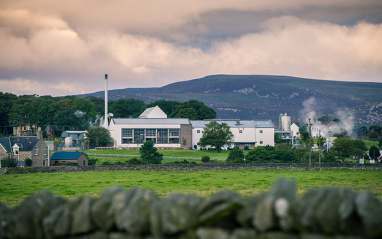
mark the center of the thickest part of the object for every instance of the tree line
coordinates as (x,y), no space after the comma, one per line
(77,113)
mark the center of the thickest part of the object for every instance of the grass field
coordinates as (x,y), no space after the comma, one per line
(14,188)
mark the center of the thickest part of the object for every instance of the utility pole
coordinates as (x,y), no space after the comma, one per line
(319,148)
(310,144)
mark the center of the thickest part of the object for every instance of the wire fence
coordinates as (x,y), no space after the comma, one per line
(137,156)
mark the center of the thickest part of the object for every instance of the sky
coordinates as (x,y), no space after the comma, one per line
(54,47)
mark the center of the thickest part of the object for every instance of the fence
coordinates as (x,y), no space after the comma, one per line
(137,156)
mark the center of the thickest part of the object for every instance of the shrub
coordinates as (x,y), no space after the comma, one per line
(28,162)
(119,163)
(246,147)
(92,161)
(149,153)
(206,159)
(236,155)
(8,162)
(106,163)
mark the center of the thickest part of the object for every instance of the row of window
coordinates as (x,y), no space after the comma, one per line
(160,136)
(240,131)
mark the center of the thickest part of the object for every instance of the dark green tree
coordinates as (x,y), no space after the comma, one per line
(373,135)
(360,144)
(216,135)
(206,159)
(98,136)
(235,155)
(150,154)
(304,132)
(125,108)
(374,152)
(377,129)
(261,154)
(166,105)
(380,143)
(343,147)
(202,111)
(28,162)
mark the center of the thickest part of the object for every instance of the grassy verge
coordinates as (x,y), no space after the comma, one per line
(14,188)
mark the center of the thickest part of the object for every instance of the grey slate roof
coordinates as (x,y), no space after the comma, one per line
(151,121)
(27,143)
(235,123)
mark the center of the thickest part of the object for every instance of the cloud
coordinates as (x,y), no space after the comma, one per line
(62,48)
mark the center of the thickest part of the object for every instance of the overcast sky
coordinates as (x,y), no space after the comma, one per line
(60,47)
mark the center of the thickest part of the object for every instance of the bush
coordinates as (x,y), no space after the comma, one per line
(149,153)
(206,159)
(92,161)
(133,161)
(236,155)
(119,163)
(106,163)
(28,162)
(8,162)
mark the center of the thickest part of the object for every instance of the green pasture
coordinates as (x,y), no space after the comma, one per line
(14,188)
(177,154)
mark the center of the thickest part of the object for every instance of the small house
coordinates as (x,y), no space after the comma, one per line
(69,158)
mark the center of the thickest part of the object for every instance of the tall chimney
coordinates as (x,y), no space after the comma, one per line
(106,111)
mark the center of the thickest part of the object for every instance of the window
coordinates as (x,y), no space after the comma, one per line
(198,131)
(174,132)
(139,136)
(162,136)
(83,162)
(240,131)
(16,152)
(261,142)
(44,151)
(43,163)
(261,131)
(35,151)
(127,136)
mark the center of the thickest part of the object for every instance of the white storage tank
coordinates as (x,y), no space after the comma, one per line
(285,122)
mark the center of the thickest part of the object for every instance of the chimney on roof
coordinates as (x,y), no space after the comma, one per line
(39,133)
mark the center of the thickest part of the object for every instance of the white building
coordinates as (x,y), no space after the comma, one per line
(164,132)
(153,112)
(246,132)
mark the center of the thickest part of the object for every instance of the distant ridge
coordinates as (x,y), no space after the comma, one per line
(266,96)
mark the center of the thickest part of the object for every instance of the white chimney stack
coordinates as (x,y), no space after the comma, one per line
(106,101)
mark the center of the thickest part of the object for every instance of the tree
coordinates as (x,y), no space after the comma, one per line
(166,105)
(216,135)
(28,162)
(149,153)
(373,135)
(261,154)
(125,108)
(343,147)
(206,159)
(236,155)
(360,144)
(380,143)
(374,152)
(304,132)
(202,111)
(98,136)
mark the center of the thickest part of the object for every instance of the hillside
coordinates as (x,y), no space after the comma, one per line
(265,97)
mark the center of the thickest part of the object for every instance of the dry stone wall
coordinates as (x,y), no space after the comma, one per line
(327,213)
(190,167)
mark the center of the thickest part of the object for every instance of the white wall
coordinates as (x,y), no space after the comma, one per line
(116,133)
(266,137)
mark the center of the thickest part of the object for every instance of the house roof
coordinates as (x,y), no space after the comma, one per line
(234,123)
(151,121)
(66,155)
(27,143)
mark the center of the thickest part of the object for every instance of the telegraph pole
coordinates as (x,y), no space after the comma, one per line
(310,144)
(319,148)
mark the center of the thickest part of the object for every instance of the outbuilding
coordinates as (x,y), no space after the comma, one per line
(69,158)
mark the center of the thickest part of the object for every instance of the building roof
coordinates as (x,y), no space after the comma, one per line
(147,111)
(27,143)
(74,132)
(235,123)
(151,121)
(66,155)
